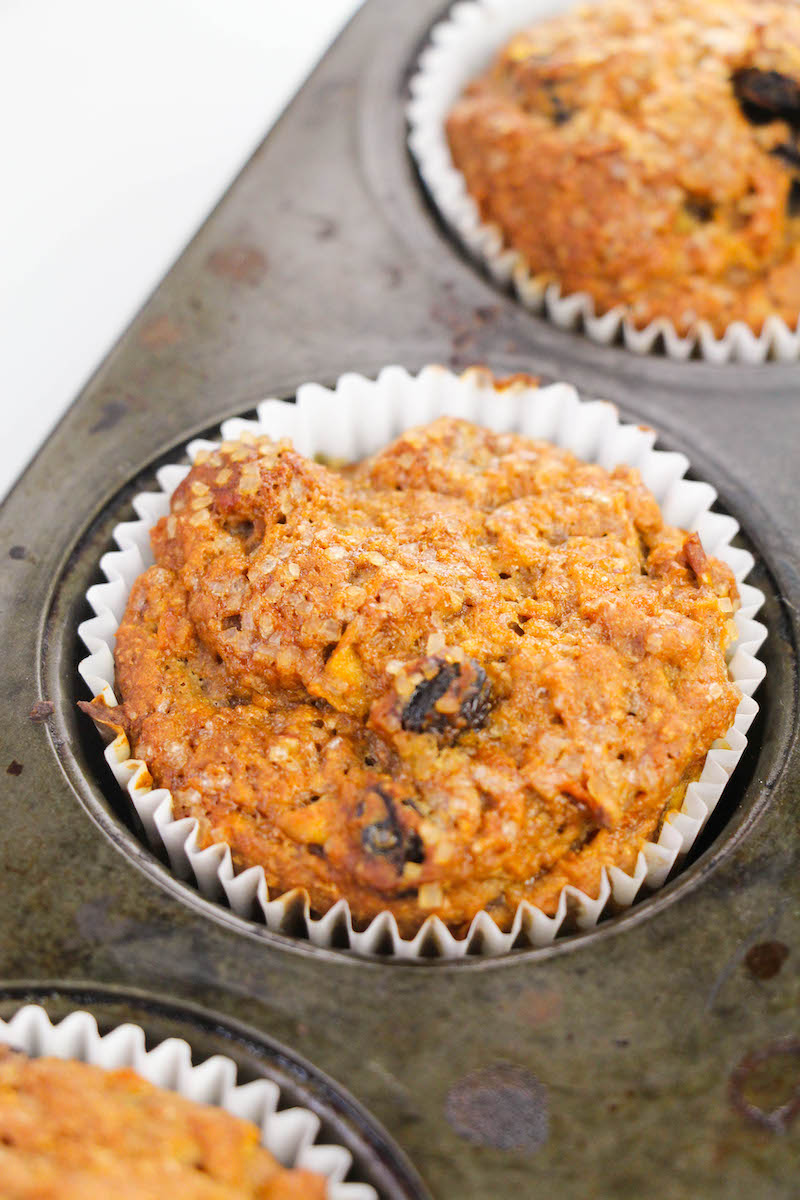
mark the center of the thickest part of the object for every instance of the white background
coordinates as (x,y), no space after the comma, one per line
(123,122)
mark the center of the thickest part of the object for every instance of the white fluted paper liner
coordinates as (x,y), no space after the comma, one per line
(289,1134)
(357,419)
(462,47)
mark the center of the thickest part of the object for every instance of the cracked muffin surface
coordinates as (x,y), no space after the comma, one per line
(460,674)
(647,154)
(73,1131)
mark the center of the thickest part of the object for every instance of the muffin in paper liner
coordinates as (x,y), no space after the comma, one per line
(367,414)
(460,48)
(289,1135)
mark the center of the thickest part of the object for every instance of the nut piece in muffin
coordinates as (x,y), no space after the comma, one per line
(647,154)
(72,1131)
(461,674)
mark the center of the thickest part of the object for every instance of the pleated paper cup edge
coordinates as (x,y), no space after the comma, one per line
(554,412)
(448,62)
(289,1134)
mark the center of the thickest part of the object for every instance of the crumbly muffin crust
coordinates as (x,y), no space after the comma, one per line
(72,1131)
(647,154)
(463,673)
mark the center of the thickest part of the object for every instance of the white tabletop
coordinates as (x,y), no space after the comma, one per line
(124,122)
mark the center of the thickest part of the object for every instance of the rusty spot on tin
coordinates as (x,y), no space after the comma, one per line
(466,329)
(765,959)
(539,1006)
(14,768)
(765,1086)
(158,333)
(503,1106)
(112,412)
(241,263)
(18,552)
(41,710)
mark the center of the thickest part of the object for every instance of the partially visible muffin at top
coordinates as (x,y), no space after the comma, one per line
(461,674)
(647,154)
(73,1131)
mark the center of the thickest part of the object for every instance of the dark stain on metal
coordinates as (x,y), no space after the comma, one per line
(159,333)
(504,1107)
(17,552)
(113,411)
(765,959)
(326,229)
(468,330)
(241,263)
(41,710)
(14,768)
(765,1086)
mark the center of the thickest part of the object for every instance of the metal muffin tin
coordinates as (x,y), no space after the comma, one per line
(342,1121)
(658,1054)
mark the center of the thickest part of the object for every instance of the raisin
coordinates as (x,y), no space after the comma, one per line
(699,208)
(766,96)
(793,199)
(387,838)
(249,533)
(465,687)
(789,152)
(693,556)
(559,112)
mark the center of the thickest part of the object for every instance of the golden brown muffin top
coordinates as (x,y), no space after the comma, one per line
(458,675)
(647,153)
(72,1131)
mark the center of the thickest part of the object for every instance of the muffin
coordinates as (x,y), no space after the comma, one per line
(647,155)
(458,675)
(72,1131)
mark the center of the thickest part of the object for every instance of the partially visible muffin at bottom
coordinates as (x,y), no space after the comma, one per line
(646,154)
(460,674)
(72,1131)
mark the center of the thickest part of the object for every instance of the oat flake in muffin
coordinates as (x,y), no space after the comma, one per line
(647,154)
(461,674)
(71,1131)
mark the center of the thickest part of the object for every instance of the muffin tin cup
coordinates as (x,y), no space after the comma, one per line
(368,415)
(460,48)
(289,1134)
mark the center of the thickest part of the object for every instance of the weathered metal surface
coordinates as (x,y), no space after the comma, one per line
(342,1121)
(635,1058)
